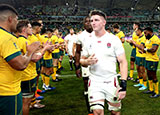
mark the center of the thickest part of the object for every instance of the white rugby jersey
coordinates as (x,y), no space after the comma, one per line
(106,49)
(83,37)
(71,39)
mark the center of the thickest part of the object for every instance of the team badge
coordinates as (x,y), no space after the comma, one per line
(99,41)
(15,45)
(109,45)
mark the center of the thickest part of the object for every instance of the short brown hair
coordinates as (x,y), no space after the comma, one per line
(97,12)
(21,24)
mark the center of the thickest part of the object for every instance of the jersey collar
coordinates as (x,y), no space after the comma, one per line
(22,36)
(7,31)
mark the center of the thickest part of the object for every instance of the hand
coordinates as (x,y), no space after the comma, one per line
(32,47)
(36,56)
(78,73)
(120,94)
(48,46)
(92,60)
(128,41)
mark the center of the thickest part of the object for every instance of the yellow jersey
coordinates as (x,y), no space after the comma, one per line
(120,35)
(30,72)
(10,78)
(47,55)
(40,38)
(134,37)
(154,40)
(33,38)
(139,41)
(54,39)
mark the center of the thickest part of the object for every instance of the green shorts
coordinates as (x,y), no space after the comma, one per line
(29,87)
(133,53)
(56,55)
(61,53)
(48,63)
(11,105)
(152,66)
(39,65)
(140,61)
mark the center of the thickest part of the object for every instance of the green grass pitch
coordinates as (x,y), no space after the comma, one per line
(68,99)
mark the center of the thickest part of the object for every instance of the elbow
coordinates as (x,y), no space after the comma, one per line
(20,68)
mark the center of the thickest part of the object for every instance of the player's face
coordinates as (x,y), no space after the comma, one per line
(49,34)
(29,29)
(71,31)
(138,32)
(87,24)
(41,22)
(135,26)
(97,22)
(115,30)
(39,29)
(147,34)
(14,22)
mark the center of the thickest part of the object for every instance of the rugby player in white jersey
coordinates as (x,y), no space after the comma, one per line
(85,35)
(101,54)
(69,40)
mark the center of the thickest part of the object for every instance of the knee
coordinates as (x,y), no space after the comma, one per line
(114,107)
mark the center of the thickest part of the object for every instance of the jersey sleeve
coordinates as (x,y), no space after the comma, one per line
(122,35)
(10,50)
(118,48)
(156,41)
(79,39)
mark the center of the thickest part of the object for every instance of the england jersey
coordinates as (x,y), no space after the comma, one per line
(82,40)
(106,49)
(71,39)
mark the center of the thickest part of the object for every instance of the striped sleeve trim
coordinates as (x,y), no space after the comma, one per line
(10,57)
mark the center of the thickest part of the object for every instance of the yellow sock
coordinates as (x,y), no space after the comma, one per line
(59,65)
(156,87)
(141,80)
(54,73)
(43,78)
(131,73)
(145,83)
(150,85)
(47,80)
(137,77)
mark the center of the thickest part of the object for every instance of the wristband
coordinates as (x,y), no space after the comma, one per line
(77,67)
(145,49)
(123,85)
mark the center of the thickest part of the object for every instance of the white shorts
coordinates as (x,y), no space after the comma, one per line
(70,52)
(103,90)
(85,71)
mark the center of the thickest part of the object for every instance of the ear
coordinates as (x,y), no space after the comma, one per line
(10,19)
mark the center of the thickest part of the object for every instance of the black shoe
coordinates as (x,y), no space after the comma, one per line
(136,80)
(148,92)
(62,68)
(154,95)
(58,71)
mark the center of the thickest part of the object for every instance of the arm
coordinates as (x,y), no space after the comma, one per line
(21,62)
(124,72)
(86,61)
(141,46)
(77,57)
(73,49)
(66,44)
(122,39)
(153,49)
